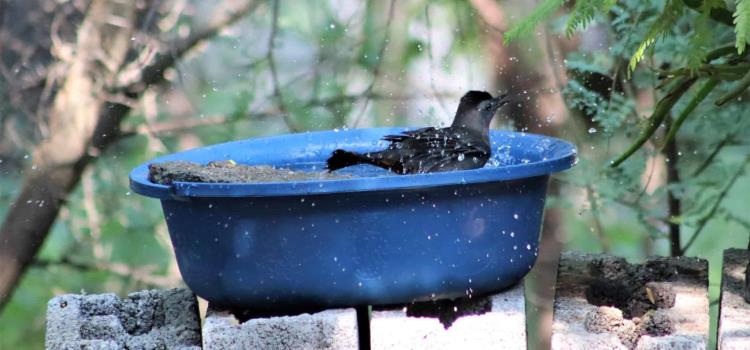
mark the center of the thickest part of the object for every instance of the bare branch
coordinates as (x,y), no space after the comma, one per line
(82,125)
(272,67)
(706,218)
(429,56)
(154,72)
(180,125)
(378,63)
(140,274)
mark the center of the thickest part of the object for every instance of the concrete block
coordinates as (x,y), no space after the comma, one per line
(490,322)
(166,319)
(734,312)
(603,302)
(330,329)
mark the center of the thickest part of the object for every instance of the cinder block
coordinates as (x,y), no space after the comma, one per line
(491,322)
(734,312)
(603,302)
(330,329)
(154,319)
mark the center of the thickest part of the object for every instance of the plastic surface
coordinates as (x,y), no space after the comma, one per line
(377,239)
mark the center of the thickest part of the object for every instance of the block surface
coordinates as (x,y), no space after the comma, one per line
(734,314)
(330,329)
(491,322)
(166,319)
(603,302)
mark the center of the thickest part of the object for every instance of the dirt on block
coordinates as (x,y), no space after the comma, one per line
(601,298)
(734,312)
(228,171)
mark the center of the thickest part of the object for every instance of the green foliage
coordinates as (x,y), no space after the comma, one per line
(528,24)
(660,27)
(583,13)
(742,24)
(701,39)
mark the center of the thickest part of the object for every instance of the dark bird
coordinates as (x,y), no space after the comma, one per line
(463,145)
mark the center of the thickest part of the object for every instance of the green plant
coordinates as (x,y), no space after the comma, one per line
(691,57)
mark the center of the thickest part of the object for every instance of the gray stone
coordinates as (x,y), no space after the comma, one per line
(491,322)
(603,302)
(166,319)
(330,329)
(734,316)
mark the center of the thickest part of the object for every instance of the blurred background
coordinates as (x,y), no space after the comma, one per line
(91,88)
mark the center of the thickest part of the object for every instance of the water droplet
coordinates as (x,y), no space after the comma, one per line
(592,131)
(515,216)
(461,157)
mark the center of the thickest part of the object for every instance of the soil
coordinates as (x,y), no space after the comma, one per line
(632,300)
(228,171)
(636,289)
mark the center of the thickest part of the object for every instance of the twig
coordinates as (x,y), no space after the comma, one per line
(725,141)
(24,230)
(705,219)
(378,63)
(599,228)
(430,58)
(272,67)
(179,125)
(694,102)
(736,91)
(660,113)
(120,270)
(154,72)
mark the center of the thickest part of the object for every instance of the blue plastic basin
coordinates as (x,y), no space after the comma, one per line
(376,239)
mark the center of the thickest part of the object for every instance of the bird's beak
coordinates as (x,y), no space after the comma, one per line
(500,100)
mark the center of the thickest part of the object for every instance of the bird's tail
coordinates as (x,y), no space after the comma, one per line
(342,159)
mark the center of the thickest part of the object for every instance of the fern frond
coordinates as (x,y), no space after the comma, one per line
(742,24)
(583,13)
(701,38)
(662,26)
(527,25)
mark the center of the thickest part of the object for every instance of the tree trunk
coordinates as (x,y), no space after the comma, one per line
(59,160)
(536,106)
(84,118)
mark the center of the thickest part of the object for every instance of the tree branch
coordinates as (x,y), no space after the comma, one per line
(83,123)
(706,218)
(378,63)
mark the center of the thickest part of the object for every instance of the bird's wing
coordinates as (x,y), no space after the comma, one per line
(407,134)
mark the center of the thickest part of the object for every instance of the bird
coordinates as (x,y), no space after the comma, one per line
(464,145)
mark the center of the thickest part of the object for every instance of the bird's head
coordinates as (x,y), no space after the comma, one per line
(476,110)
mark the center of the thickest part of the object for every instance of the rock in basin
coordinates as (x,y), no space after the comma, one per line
(375,238)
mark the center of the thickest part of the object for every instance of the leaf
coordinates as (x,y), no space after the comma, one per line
(527,25)
(742,24)
(702,36)
(583,13)
(661,27)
